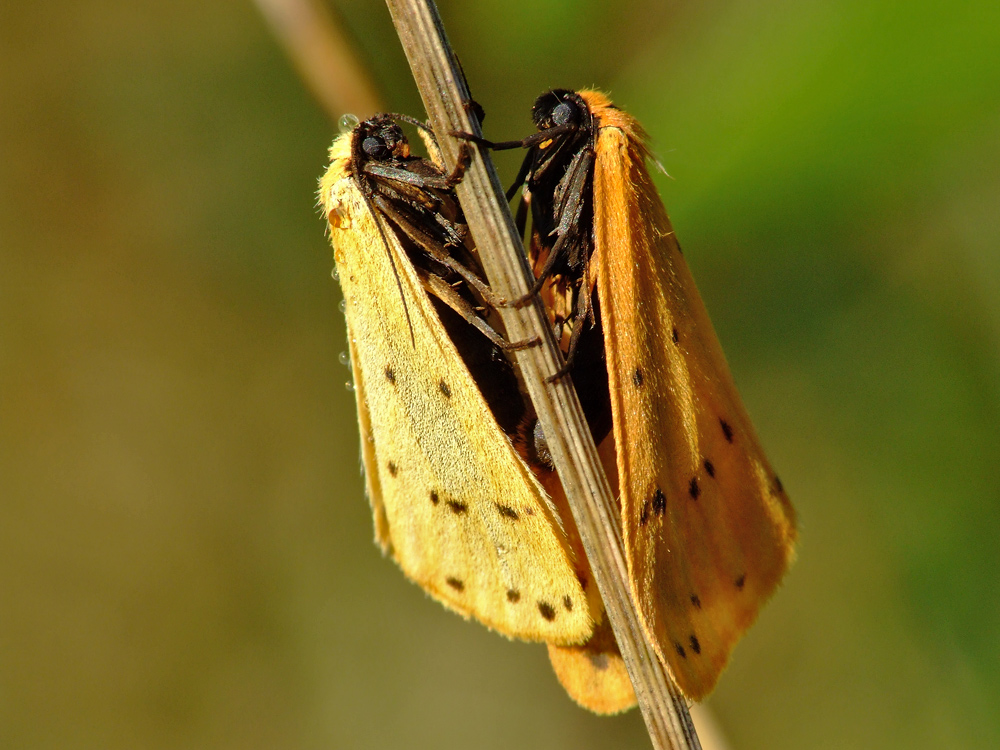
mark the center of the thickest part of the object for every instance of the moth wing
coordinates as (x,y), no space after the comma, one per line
(454,504)
(708,529)
(594,673)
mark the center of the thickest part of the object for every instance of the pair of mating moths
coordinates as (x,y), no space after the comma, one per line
(461,490)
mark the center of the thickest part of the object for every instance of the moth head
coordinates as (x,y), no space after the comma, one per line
(559,107)
(382,140)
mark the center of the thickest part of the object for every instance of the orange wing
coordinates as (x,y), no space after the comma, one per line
(709,531)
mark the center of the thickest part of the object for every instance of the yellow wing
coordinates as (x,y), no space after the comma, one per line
(709,531)
(453,503)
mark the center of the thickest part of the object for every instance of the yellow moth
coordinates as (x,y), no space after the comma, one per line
(708,529)
(454,503)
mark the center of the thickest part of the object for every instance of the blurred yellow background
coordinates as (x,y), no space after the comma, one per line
(185,547)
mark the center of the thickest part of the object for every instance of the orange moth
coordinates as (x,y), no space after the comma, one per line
(708,529)
(453,501)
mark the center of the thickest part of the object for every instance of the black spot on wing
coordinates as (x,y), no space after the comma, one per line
(726,430)
(695,646)
(637,377)
(598,661)
(693,489)
(393,469)
(778,487)
(434,497)
(709,468)
(455,583)
(513,596)
(457,507)
(507,512)
(644,515)
(568,603)
(659,502)
(390,375)
(674,336)
(680,650)
(740,582)
(547,611)
(696,601)
(445,390)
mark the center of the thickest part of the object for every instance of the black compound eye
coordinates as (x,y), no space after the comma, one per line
(375,148)
(563,113)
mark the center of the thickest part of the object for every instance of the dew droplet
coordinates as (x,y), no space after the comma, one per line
(345,358)
(343,305)
(349,386)
(338,216)
(347,123)
(335,274)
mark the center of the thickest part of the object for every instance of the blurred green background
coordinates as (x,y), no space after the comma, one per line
(185,548)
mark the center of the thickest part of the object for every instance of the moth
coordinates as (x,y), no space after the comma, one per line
(454,503)
(708,528)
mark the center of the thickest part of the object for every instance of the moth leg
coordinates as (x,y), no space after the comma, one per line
(409,120)
(546,271)
(583,314)
(522,175)
(461,164)
(445,292)
(527,165)
(569,211)
(480,141)
(532,140)
(542,139)
(438,252)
